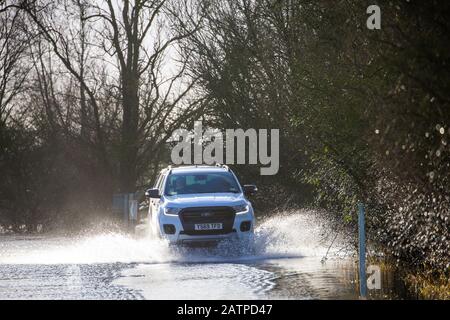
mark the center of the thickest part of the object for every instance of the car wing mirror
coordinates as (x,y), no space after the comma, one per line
(250,189)
(152,193)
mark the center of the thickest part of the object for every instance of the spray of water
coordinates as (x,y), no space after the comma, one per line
(284,235)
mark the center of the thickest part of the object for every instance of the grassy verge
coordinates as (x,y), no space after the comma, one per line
(427,286)
(413,283)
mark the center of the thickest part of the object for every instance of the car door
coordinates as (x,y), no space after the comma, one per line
(154,203)
(150,200)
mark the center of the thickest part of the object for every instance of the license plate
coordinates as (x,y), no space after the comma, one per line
(208,226)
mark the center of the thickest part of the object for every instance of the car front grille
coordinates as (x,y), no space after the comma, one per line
(191,216)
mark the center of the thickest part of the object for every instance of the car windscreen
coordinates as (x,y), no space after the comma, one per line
(211,182)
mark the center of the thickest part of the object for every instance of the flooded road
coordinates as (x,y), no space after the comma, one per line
(285,262)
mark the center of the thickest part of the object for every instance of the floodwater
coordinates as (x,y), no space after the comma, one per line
(285,262)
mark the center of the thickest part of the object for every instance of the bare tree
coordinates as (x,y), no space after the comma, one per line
(152,94)
(13,72)
(136,34)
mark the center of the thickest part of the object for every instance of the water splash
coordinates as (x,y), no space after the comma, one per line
(284,235)
(103,248)
(293,233)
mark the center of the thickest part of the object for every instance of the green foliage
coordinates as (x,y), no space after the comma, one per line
(363,114)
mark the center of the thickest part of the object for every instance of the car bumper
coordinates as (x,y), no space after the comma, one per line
(180,237)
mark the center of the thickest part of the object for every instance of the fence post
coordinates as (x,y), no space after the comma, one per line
(362,251)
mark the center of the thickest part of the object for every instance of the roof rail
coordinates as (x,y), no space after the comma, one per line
(223,166)
(170,167)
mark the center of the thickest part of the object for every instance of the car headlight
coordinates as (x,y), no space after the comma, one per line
(240,208)
(172,211)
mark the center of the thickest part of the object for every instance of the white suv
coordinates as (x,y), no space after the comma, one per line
(192,204)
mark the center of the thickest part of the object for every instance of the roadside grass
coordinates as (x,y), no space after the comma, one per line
(429,287)
(416,284)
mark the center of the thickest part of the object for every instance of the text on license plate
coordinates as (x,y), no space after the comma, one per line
(208,226)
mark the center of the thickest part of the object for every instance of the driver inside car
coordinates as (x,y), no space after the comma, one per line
(180,185)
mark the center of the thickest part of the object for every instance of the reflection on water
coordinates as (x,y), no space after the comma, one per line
(198,281)
(283,263)
(334,279)
(296,278)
